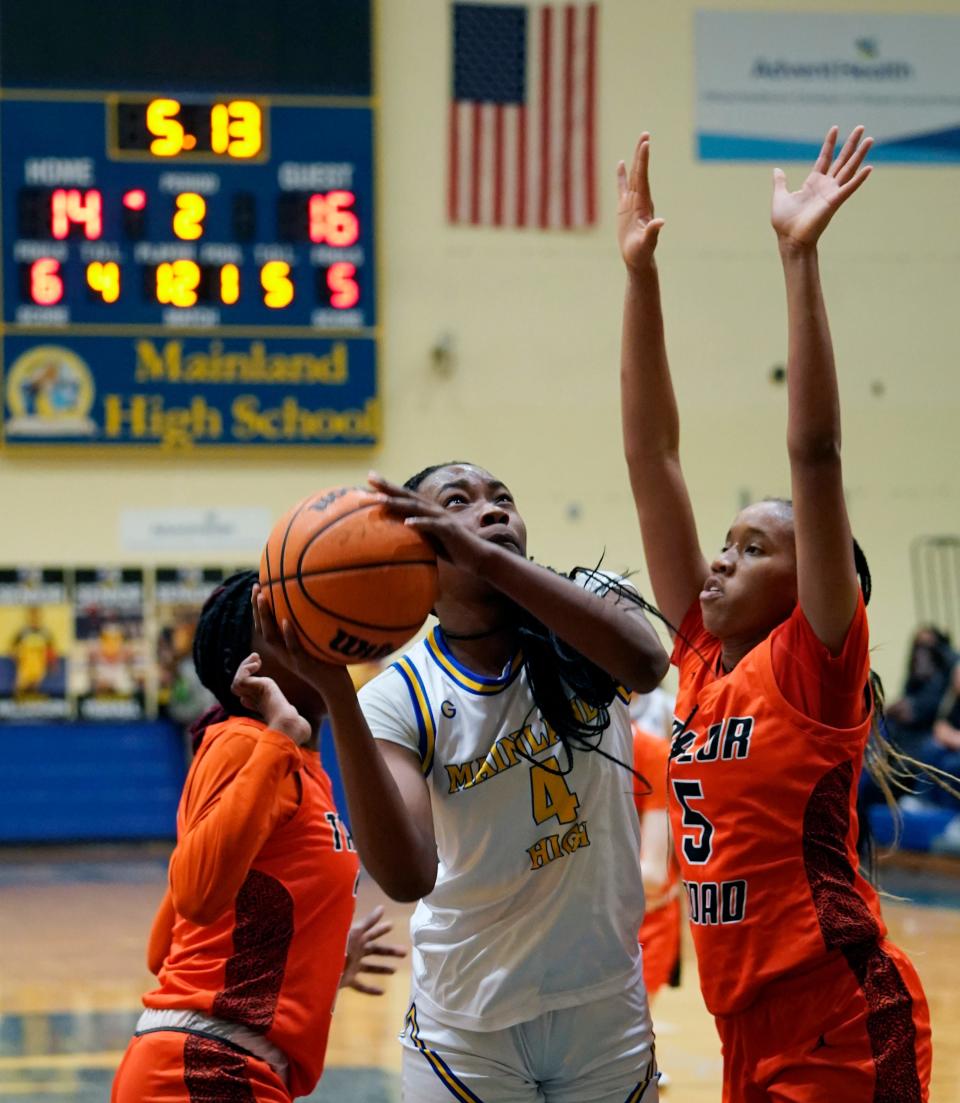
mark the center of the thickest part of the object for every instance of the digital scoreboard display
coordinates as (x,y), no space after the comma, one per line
(167,250)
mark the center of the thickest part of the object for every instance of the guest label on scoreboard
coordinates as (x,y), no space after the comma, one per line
(202,261)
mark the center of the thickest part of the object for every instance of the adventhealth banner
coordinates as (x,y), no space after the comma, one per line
(769,84)
(183,392)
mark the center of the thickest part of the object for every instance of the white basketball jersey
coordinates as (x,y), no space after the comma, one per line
(538,897)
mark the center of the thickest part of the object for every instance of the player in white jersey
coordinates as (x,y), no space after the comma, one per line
(502,798)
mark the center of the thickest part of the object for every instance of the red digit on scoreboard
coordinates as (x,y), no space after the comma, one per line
(329,219)
(69,208)
(46,284)
(344,289)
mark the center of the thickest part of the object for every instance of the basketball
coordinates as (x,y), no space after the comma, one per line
(354,581)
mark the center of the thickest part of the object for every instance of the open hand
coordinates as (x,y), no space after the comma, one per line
(263,696)
(800,217)
(450,538)
(637,229)
(284,645)
(362,944)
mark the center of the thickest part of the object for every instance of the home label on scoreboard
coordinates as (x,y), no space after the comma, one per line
(204,262)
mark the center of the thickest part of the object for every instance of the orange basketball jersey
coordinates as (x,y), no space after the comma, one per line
(763,811)
(268,871)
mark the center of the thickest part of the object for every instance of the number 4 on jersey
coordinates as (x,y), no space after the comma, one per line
(550,794)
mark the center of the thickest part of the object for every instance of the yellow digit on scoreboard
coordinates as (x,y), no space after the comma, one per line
(190,213)
(162,123)
(177,282)
(276,283)
(104,278)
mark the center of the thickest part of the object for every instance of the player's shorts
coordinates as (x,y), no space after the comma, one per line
(172,1066)
(855,1029)
(599,1052)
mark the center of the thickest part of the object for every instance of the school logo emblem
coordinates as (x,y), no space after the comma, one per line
(49,393)
(449,709)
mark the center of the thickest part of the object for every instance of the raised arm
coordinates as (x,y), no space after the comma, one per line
(651,425)
(391,820)
(826,576)
(609,630)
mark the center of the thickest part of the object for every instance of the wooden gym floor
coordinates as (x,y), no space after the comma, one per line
(73,926)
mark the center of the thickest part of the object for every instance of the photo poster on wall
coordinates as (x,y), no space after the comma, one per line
(36,638)
(110,659)
(179,594)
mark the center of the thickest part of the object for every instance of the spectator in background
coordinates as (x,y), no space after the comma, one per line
(942,748)
(911,718)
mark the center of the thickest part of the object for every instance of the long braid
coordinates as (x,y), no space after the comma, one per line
(220,644)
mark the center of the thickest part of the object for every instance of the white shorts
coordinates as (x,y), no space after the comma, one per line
(598,1052)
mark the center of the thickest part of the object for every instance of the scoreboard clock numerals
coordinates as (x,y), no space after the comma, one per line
(165,128)
(236,129)
(162,122)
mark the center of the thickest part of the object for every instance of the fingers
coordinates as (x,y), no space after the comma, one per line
(267,626)
(779,180)
(375,479)
(822,162)
(363,925)
(847,172)
(291,641)
(846,150)
(849,188)
(255,606)
(621,179)
(366,989)
(380,949)
(247,669)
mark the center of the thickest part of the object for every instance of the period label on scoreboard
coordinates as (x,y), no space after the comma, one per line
(187,270)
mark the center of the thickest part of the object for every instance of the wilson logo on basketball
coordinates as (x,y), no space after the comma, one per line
(358,650)
(328,499)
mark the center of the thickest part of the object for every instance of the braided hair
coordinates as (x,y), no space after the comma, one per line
(221,642)
(572,694)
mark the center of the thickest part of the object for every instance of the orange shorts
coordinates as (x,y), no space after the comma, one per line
(660,938)
(855,1028)
(171,1066)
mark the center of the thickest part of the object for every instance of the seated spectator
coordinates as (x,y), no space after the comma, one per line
(911,718)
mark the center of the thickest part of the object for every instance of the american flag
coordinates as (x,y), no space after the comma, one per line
(523,116)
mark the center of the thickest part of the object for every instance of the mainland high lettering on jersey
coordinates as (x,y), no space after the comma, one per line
(538,896)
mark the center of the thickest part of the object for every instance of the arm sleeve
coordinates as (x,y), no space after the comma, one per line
(231,803)
(390,707)
(161,934)
(827,688)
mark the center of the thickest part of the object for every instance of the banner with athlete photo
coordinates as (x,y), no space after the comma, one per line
(108,672)
(179,594)
(36,635)
(770,83)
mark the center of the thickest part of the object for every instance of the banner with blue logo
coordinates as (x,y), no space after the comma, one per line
(769,84)
(176,392)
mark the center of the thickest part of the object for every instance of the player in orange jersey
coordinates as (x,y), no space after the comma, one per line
(660,931)
(775,707)
(251,941)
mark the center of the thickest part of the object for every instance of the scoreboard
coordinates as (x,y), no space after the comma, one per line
(188,267)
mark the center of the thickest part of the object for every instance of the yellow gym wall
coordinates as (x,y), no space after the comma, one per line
(533,319)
